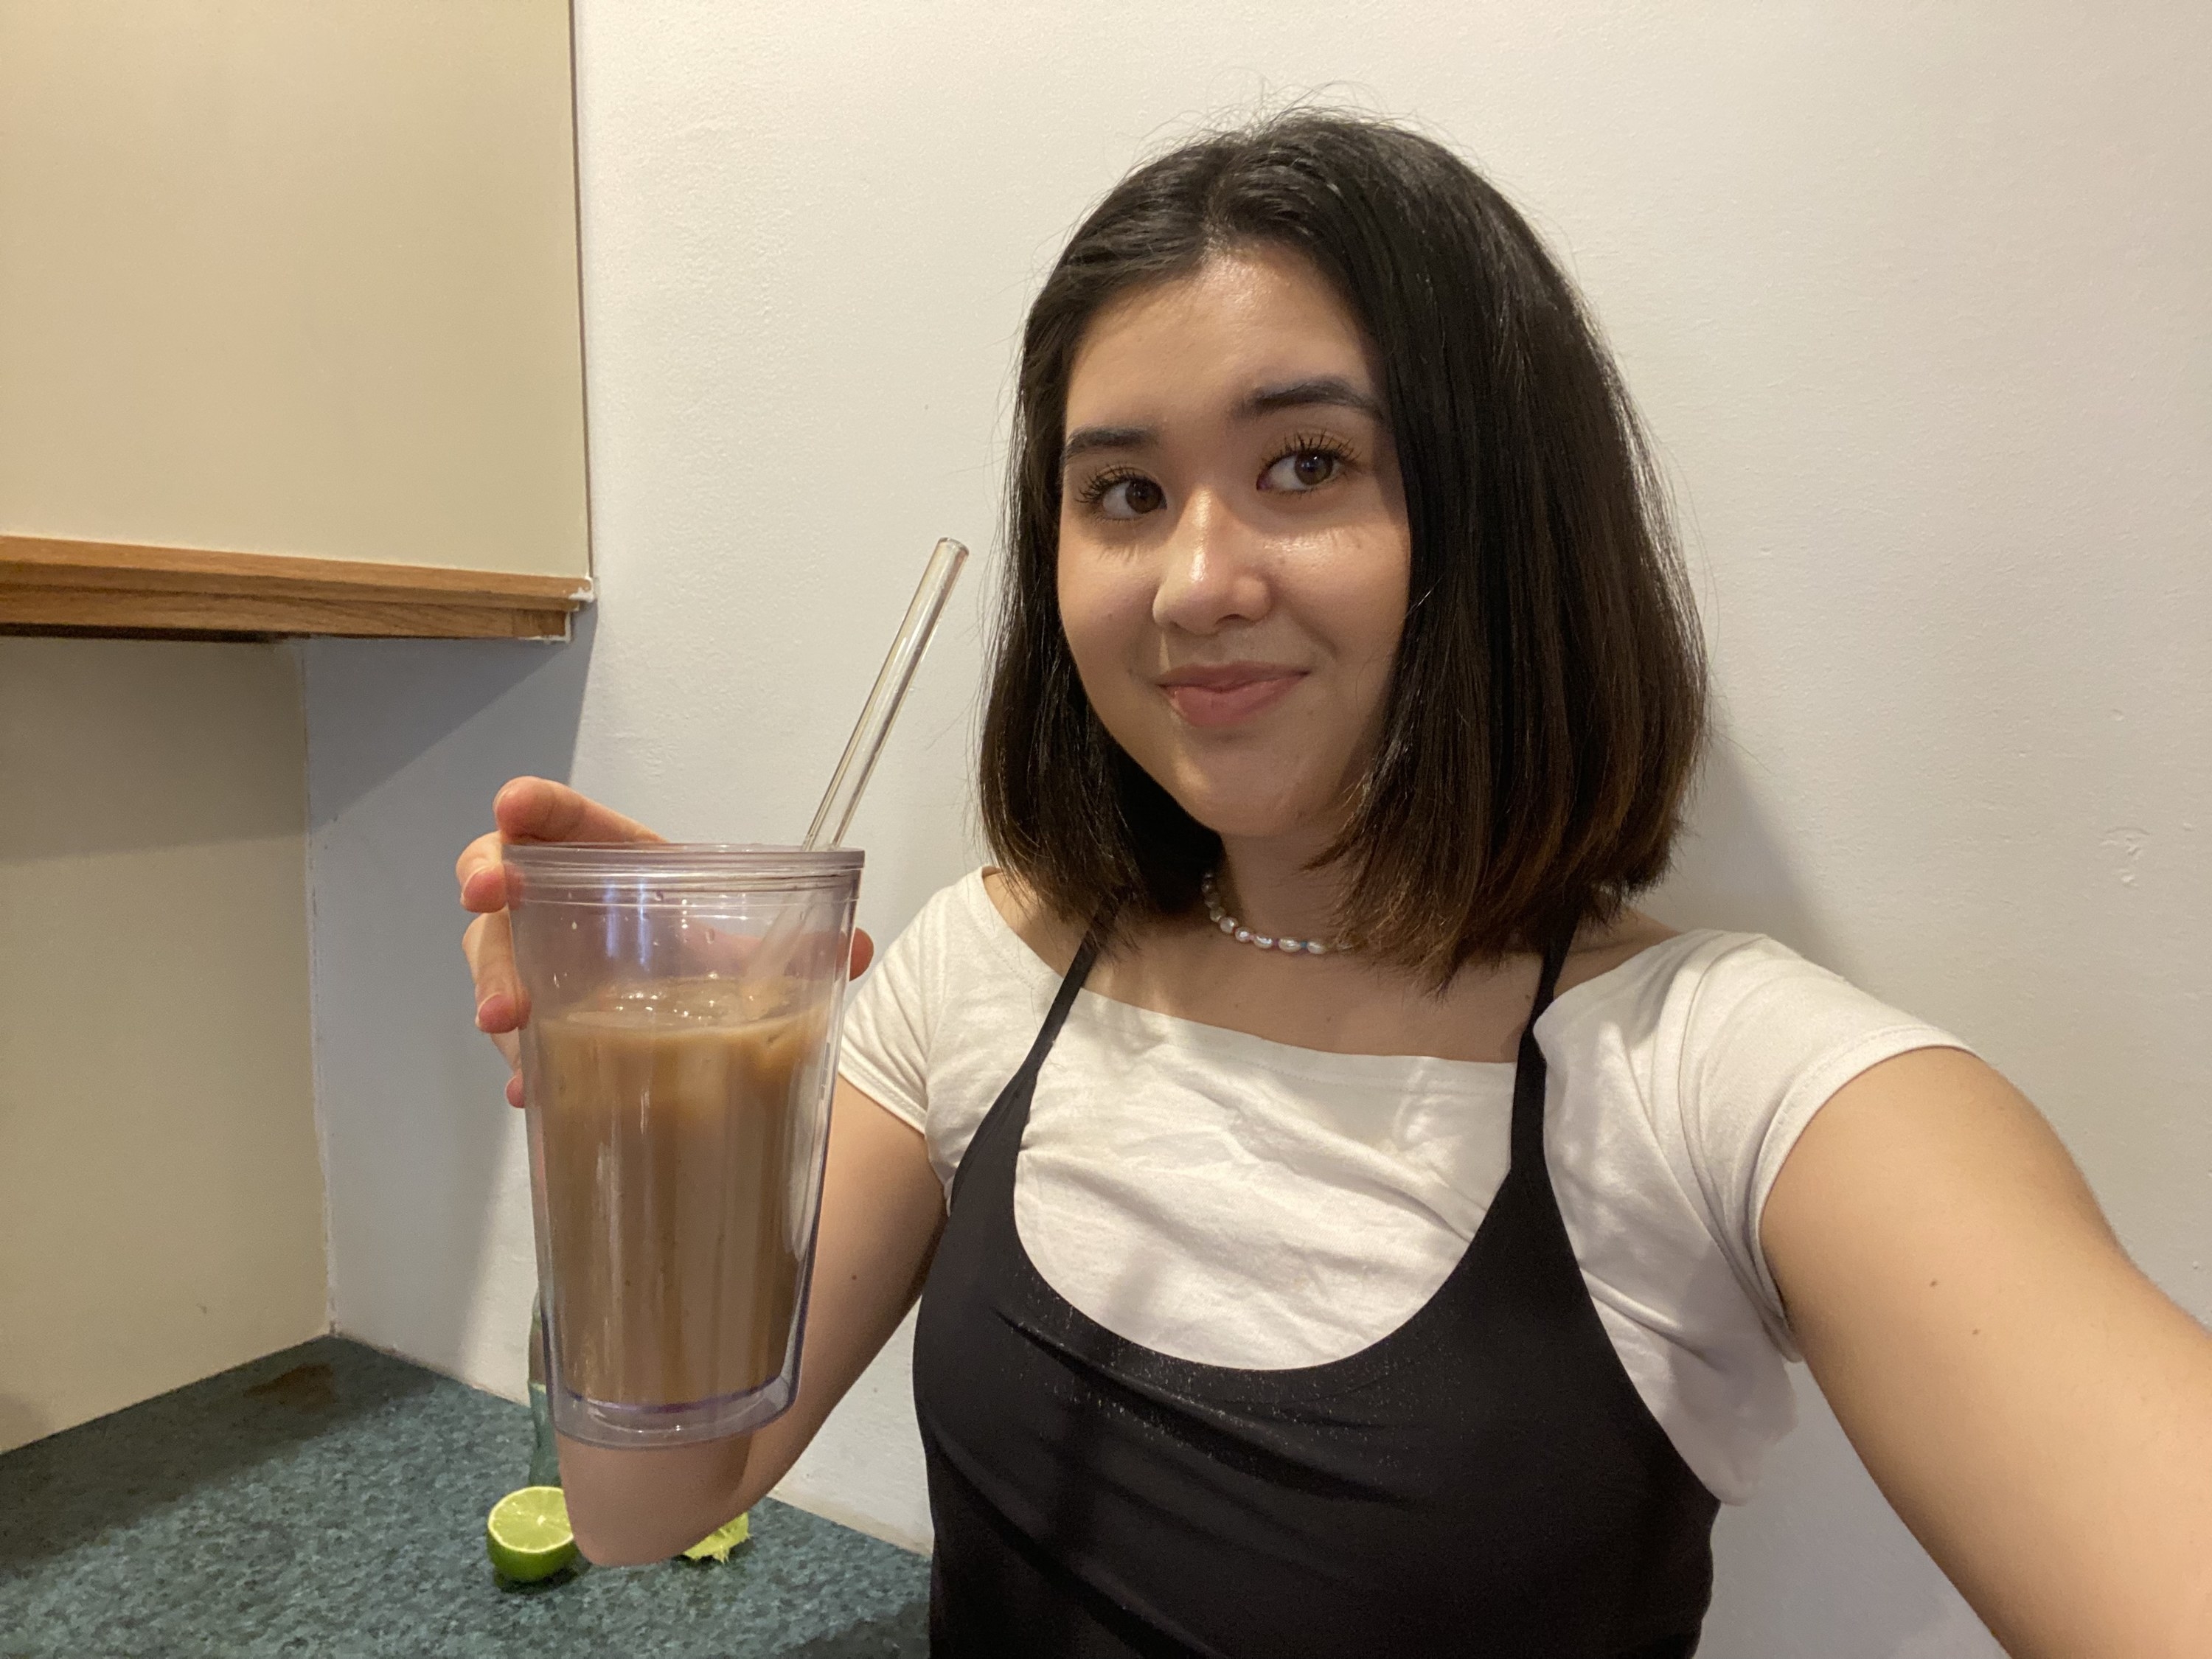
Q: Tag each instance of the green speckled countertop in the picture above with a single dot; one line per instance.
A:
(330, 1501)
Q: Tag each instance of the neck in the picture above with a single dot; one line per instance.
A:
(1270, 886)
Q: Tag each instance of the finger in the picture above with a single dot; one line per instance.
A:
(538, 809)
(863, 952)
(484, 889)
(514, 1091)
(499, 1013)
(489, 948)
(482, 875)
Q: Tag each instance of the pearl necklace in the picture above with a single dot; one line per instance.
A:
(1244, 935)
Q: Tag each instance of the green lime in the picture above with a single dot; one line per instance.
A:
(527, 1535)
(717, 1545)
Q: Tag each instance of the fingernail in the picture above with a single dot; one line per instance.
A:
(481, 1006)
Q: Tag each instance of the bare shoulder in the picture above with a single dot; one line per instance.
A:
(1601, 948)
(1036, 923)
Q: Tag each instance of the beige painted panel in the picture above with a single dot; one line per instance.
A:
(292, 277)
(160, 1192)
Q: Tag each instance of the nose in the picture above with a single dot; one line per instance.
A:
(1213, 570)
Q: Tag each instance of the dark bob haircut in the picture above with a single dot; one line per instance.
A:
(1547, 705)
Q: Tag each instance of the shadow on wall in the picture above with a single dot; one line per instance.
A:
(1731, 869)
(1817, 1565)
(377, 709)
(186, 732)
(408, 742)
(20, 1422)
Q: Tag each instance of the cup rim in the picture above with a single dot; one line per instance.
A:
(664, 864)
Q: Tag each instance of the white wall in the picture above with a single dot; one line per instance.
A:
(1914, 299)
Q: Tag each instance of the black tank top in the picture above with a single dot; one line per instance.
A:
(1483, 1480)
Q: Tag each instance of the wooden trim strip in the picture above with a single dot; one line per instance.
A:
(116, 586)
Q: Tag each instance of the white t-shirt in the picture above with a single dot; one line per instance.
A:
(1236, 1201)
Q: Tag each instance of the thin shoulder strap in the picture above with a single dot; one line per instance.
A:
(1528, 1071)
(1078, 971)
(999, 1135)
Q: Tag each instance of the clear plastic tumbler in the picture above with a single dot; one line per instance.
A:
(684, 1004)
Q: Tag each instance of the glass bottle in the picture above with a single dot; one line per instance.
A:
(545, 1458)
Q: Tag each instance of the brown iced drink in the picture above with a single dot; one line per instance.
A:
(673, 1188)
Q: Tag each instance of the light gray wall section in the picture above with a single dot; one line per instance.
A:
(1913, 298)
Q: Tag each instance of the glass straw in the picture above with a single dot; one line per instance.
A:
(834, 815)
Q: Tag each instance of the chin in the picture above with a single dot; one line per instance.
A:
(1251, 814)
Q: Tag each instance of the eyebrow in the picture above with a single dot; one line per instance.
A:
(1332, 391)
(1084, 440)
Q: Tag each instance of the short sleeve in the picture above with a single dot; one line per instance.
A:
(1765, 1039)
(890, 1018)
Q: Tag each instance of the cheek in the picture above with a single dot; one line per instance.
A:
(1357, 601)
(1106, 609)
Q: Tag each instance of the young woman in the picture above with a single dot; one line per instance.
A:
(1342, 1225)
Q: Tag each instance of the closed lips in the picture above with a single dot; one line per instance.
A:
(1229, 692)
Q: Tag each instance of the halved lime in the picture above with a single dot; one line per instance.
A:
(717, 1545)
(527, 1535)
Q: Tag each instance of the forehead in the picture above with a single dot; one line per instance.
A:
(1241, 320)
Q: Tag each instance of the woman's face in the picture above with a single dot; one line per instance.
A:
(1233, 552)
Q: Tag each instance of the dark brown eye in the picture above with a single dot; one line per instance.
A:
(1130, 498)
(1301, 470)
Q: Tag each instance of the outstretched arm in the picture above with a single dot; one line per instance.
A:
(2039, 1414)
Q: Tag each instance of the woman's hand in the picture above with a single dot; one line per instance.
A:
(533, 810)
